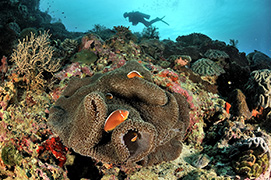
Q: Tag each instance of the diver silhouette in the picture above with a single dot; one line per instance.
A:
(137, 17)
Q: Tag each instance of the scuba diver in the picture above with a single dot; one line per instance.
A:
(137, 17)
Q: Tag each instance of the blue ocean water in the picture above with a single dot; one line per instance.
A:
(248, 21)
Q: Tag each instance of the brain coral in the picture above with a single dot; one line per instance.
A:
(152, 133)
(258, 88)
(207, 67)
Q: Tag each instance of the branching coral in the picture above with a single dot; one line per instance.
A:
(33, 57)
(23, 129)
(150, 32)
(152, 133)
(69, 45)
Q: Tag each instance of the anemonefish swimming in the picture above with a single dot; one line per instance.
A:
(109, 96)
(133, 74)
(115, 119)
(135, 137)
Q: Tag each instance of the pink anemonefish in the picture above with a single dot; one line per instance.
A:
(109, 96)
(135, 137)
(115, 119)
(133, 74)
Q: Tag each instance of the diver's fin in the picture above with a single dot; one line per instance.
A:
(165, 22)
(161, 19)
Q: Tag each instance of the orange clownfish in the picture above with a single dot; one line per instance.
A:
(109, 96)
(133, 74)
(115, 119)
(135, 137)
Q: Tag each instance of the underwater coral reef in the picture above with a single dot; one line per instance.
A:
(158, 119)
(112, 104)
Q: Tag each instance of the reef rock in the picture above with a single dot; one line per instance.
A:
(152, 47)
(152, 133)
(258, 89)
(239, 104)
(194, 39)
(220, 57)
(259, 60)
(215, 54)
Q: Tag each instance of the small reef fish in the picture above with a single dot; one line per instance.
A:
(134, 138)
(109, 96)
(133, 74)
(115, 119)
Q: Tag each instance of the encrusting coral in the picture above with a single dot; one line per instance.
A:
(152, 133)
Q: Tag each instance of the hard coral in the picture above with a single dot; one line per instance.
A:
(258, 60)
(158, 118)
(125, 33)
(177, 62)
(217, 55)
(258, 89)
(251, 157)
(207, 67)
(69, 46)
